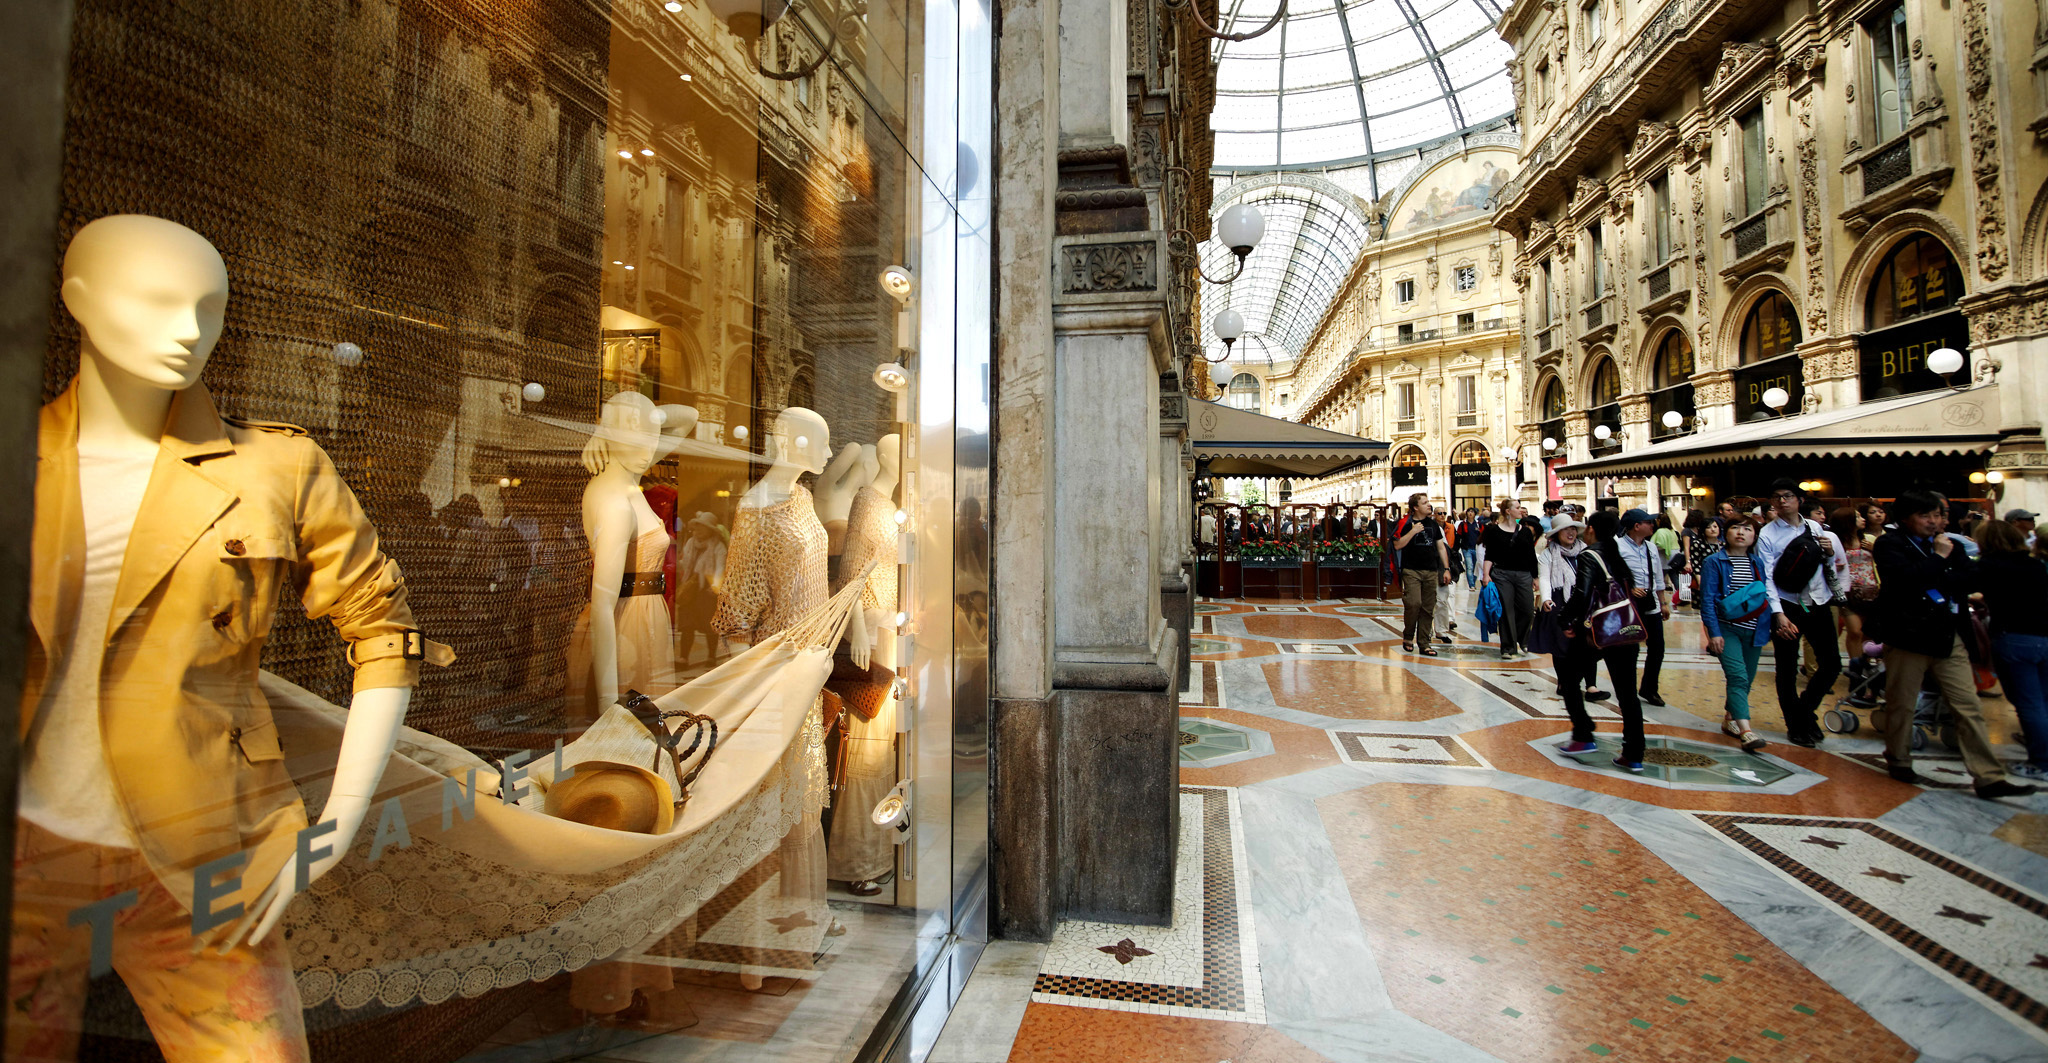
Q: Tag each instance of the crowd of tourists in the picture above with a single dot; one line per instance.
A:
(1927, 615)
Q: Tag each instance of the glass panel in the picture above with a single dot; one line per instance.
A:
(1753, 179)
(1660, 220)
(1918, 277)
(563, 324)
(1772, 329)
(1890, 71)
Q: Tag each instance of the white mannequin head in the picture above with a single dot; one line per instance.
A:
(800, 438)
(149, 294)
(889, 453)
(627, 435)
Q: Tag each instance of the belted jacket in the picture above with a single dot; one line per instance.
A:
(235, 512)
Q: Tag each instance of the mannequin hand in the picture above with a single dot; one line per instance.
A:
(857, 641)
(346, 813)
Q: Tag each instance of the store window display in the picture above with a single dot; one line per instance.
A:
(511, 631)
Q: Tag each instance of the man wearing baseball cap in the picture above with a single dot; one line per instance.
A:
(2023, 519)
(1646, 564)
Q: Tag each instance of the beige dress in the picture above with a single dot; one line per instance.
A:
(646, 644)
(774, 570)
(858, 849)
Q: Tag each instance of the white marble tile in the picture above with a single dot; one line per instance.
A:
(983, 1025)
(1159, 955)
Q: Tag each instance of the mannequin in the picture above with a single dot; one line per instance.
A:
(187, 512)
(626, 536)
(862, 854)
(775, 566)
(836, 485)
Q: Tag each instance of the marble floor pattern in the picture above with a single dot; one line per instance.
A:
(1385, 858)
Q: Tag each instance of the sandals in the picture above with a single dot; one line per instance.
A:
(1407, 647)
(1429, 651)
(1751, 741)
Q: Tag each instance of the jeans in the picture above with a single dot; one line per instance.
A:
(1739, 658)
(1582, 663)
(1418, 603)
(1817, 627)
(2022, 663)
(1653, 660)
(1903, 671)
(1517, 607)
(1471, 566)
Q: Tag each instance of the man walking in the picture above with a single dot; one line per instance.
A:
(1794, 561)
(1650, 587)
(1425, 564)
(1925, 579)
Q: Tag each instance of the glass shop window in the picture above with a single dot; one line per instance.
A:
(1918, 277)
(1771, 330)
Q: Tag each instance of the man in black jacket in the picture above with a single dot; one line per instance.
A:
(1926, 579)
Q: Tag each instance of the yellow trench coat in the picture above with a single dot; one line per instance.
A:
(235, 510)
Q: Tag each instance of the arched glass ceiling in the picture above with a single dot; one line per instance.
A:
(1314, 231)
(1344, 80)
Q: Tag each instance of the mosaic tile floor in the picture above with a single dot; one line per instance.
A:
(1384, 857)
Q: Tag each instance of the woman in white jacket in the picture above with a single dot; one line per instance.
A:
(1556, 573)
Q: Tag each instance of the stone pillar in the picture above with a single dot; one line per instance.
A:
(1093, 66)
(1114, 658)
(1176, 521)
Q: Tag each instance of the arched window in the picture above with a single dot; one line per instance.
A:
(1771, 330)
(1672, 367)
(1470, 452)
(1551, 408)
(1411, 467)
(1606, 384)
(1552, 403)
(1243, 393)
(1769, 334)
(1603, 408)
(1471, 477)
(1918, 277)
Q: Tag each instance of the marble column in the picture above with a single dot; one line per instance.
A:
(1176, 527)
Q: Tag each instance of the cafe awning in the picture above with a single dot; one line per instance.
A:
(1933, 422)
(1242, 443)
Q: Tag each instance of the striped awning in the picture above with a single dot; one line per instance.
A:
(1963, 421)
(1242, 443)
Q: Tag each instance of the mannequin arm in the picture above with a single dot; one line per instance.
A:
(680, 423)
(610, 530)
(366, 743)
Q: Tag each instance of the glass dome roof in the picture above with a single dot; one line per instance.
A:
(1314, 231)
(1342, 81)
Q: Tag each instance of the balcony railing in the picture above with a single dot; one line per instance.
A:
(1596, 315)
(1888, 167)
(1659, 282)
(1751, 235)
(1546, 339)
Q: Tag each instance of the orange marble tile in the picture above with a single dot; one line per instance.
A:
(1850, 789)
(1244, 648)
(1296, 749)
(1300, 626)
(1353, 690)
(1053, 1033)
(1535, 931)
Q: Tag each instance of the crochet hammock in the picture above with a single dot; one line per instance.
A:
(515, 895)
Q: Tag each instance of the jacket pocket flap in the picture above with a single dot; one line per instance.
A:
(260, 545)
(258, 741)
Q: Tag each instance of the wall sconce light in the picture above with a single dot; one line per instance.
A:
(1549, 443)
(1699, 492)
(1228, 326)
(1776, 398)
(1602, 433)
(533, 392)
(1978, 477)
(897, 281)
(1994, 477)
(739, 432)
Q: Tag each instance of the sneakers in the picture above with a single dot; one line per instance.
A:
(1634, 767)
(2028, 770)
(1991, 791)
(1751, 741)
(1573, 749)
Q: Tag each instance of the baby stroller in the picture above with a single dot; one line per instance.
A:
(1866, 689)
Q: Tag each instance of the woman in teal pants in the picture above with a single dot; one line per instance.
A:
(1738, 643)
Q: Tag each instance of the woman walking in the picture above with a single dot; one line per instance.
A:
(1600, 563)
(2015, 582)
(1738, 640)
(1704, 542)
(1510, 563)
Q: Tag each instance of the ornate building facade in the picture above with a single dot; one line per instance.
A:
(1732, 212)
(1421, 345)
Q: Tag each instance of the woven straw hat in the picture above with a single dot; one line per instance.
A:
(615, 796)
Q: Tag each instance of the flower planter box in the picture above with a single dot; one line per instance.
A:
(1272, 562)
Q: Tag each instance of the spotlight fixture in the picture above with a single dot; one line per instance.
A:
(897, 281)
(893, 810)
(649, 152)
(629, 267)
(624, 154)
(686, 77)
(533, 392)
(672, 6)
(892, 377)
(902, 518)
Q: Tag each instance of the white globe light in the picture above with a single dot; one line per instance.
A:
(660, 416)
(1602, 432)
(1994, 476)
(346, 355)
(803, 442)
(739, 431)
(1945, 361)
(1229, 325)
(1240, 227)
(1549, 443)
(533, 393)
(1672, 418)
(1776, 398)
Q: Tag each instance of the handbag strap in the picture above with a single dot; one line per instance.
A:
(697, 725)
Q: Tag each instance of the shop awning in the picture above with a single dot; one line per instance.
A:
(1241, 443)
(1933, 422)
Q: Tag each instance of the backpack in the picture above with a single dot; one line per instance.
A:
(1862, 575)
(1802, 558)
